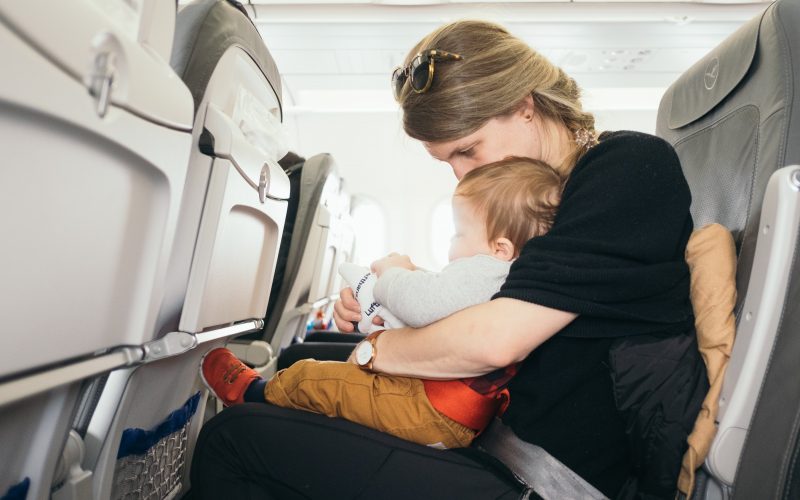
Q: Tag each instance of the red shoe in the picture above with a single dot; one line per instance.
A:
(226, 376)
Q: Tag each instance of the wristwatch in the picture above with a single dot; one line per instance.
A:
(366, 351)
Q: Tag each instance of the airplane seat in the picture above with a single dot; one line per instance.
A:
(141, 435)
(96, 133)
(243, 345)
(321, 238)
(292, 165)
(734, 120)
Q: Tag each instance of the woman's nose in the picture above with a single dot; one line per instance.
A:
(460, 169)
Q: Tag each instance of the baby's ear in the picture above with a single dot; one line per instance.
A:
(503, 249)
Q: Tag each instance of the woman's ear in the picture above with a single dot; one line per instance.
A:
(526, 108)
(503, 249)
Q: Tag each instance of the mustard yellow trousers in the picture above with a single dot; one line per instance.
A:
(395, 405)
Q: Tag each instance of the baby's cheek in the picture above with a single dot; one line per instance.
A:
(452, 254)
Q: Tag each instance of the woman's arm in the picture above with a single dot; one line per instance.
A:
(471, 342)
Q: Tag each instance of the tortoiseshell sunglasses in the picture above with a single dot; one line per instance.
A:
(419, 73)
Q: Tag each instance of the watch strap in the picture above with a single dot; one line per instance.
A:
(372, 338)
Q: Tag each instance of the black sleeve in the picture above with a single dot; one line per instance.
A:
(615, 254)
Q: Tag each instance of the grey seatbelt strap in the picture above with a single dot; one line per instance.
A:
(536, 468)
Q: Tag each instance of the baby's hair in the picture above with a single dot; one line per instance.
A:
(518, 197)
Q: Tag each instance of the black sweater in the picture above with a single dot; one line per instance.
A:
(615, 256)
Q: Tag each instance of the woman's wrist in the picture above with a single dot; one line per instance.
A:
(366, 351)
(378, 343)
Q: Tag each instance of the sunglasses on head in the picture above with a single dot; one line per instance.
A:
(419, 72)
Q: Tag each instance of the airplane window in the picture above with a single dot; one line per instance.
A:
(442, 231)
(369, 221)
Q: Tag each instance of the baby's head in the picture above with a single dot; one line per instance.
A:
(497, 208)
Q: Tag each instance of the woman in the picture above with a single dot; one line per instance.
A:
(597, 310)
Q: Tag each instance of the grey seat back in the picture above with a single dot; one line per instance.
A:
(734, 121)
(222, 263)
(96, 138)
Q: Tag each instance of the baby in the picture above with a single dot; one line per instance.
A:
(497, 208)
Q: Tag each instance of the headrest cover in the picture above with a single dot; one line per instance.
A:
(711, 79)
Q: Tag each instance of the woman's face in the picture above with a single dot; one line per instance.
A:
(513, 135)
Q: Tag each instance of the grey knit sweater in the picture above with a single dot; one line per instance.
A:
(419, 298)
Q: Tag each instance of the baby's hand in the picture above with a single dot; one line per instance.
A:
(392, 260)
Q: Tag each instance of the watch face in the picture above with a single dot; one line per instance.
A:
(363, 353)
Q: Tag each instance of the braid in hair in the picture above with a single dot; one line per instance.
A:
(562, 102)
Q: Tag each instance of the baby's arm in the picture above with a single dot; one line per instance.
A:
(419, 298)
(392, 260)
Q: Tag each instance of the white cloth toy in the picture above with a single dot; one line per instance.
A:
(362, 281)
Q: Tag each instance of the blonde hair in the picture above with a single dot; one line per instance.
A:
(497, 72)
(517, 197)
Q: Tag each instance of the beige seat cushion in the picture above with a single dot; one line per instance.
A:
(711, 255)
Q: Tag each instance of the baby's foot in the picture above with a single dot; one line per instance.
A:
(226, 376)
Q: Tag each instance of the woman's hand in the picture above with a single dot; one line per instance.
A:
(346, 310)
(392, 260)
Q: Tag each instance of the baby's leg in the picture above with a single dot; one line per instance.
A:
(395, 405)
(255, 391)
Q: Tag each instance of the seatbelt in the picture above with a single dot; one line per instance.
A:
(533, 466)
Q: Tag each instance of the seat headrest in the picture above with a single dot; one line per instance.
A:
(204, 30)
(711, 79)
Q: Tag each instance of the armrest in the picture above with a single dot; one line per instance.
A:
(328, 351)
